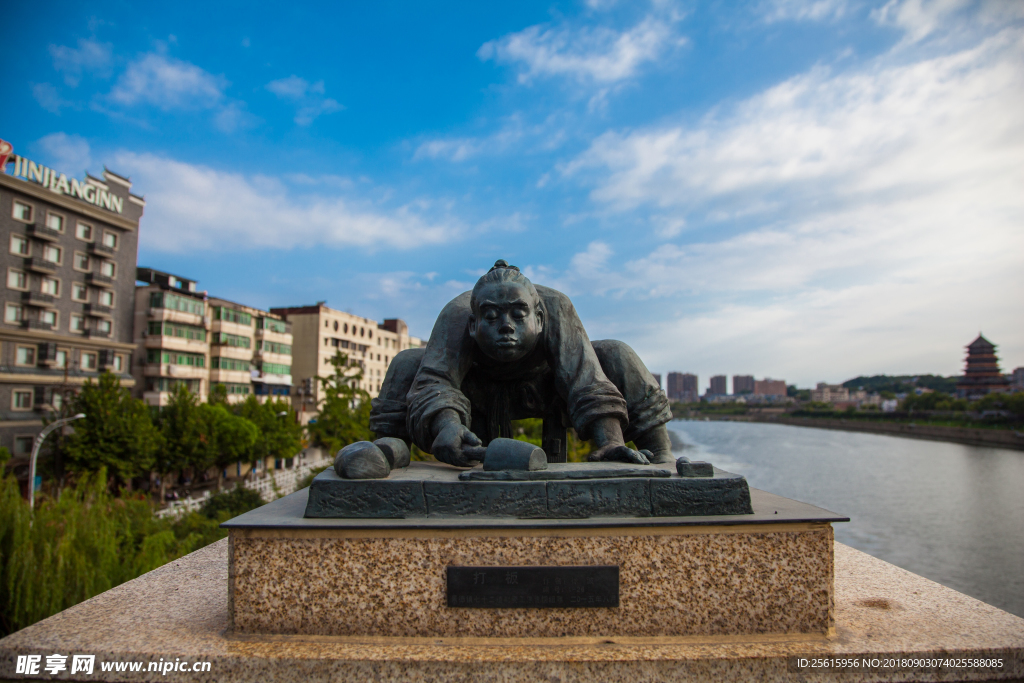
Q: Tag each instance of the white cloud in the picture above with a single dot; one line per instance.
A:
(837, 223)
(593, 54)
(168, 83)
(195, 207)
(803, 10)
(48, 97)
(310, 98)
(70, 154)
(90, 57)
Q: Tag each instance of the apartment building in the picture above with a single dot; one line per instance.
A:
(742, 384)
(718, 386)
(187, 337)
(172, 336)
(682, 387)
(251, 351)
(68, 269)
(320, 332)
(770, 387)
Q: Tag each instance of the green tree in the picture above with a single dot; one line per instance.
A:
(225, 438)
(117, 432)
(345, 409)
(183, 435)
(280, 433)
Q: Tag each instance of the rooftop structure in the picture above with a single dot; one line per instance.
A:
(981, 372)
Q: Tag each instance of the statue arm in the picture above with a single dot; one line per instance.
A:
(590, 397)
(435, 399)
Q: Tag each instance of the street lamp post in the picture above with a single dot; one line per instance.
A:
(35, 453)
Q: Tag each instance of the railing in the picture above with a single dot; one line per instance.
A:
(98, 280)
(36, 325)
(38, 299)
(101, 249)
(99, 310)
(44, 232)
(269, 485)
(39, 264)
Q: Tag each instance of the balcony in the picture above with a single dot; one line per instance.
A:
(97, 334)
(44, 232)
(176, 316)
(39, 265)
(97, 280)
(176, 371)
(101, 249)
(38, 299)
(166, 341)
(99, 311)
(36, 325)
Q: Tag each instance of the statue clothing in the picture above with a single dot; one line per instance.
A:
(565, 375)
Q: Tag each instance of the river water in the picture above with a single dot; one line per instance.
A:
(951, 513)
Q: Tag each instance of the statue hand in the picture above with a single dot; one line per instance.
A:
(620, 453)
(456, 445)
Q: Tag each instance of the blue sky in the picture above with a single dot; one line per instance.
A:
(802, 189)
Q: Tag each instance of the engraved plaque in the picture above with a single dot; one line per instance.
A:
(576, 586)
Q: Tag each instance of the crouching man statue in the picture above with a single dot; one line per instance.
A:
(510, 350)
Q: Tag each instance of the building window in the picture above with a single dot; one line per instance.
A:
(221, 363)
(21, 400)
(104, 326)
(22, 211)
(13, 314)
(176, 303)
(335, 325)
(189, 332)
(16, 279)
(20, 245)
(49, 317)
(82, 262)
(88, 361)
(107, 268)
(232, 316)
(79, 292)
(106, 298)
(23, 445)
(50, 286)
(56, 401)
(52, 254)
(84, 232)
(118, 363)
(77, 323)
(346, 328)
(61, 358)
(175, 358)
(55, 221)
(110, 239)
(25, 355)
(225, 339)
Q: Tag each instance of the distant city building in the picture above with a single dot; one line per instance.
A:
(321, 332)
(682, 386)
(186, 338)
(1017, 379)
(657, 378)
(67, 310)
(742, 384)
(981, 374)
(769, 387)
(718, 385)
(830, 393)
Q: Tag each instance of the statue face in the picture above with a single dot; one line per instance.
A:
(506, 323)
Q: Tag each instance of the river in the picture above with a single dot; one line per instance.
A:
(949, 512)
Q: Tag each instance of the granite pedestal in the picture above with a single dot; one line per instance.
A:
(766, 571)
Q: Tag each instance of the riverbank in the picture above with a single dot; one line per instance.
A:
(997, 438)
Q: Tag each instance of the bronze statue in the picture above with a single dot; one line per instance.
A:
(510, 350)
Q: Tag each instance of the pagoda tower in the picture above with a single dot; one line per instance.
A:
(981, 375)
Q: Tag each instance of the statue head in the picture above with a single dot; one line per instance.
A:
(507, 316)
